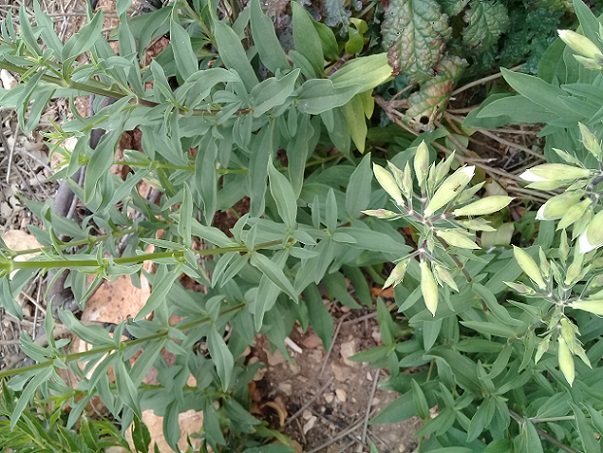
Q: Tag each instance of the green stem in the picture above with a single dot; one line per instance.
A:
(542, 433)
(552, 419)
(137, 259)
(164, 334)
(89, 241)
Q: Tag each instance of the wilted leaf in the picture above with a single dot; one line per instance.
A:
(416, 31)
(427, 104)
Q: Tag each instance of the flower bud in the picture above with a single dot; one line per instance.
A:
(477, 225)
(557, 206)
(592, 237)
(574, 213)
(398, 176)
(580, 44)
(520, 288)
(529, 266)
(445, 277)
(429, 288)
(588, 63)
(397, 274)
(457, 239)
(443, 168)
(381, 213)
(543, 347)
(484, 206)
(421, 163)
(594, 306)
(387, 181)
(590, 142)
(554, 172)
(450, 188)
(566, 361)
(407, 182)
(545, 267)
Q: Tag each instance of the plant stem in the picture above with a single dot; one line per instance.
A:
(542, 433)
(552, 419)
(137, 259)
(124, 344)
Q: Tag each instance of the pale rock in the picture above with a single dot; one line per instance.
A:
(306, 415)
(310, 424)
(8, 80)
(347, 350)
(341, 395)
(341, 373)
(286, 388)
(328, 397)
(276, 359)
(295, 369)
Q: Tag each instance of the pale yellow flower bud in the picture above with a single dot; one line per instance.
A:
(543, 347)
(554, 172)
(574, 213)
(457, 239)
(529, 266)
(421, 163)
(450, 188)
(387, 181)
(589, 141)
(566, 361)
(592, 237)
(381, 213)
(397, 274)
(445, 277)
(484, 206)
(580, 44)
(594, 306)
(429, 288)
(557, 206)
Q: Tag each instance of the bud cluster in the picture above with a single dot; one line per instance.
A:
(443, 213)
(576, 207)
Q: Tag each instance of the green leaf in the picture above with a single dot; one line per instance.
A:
(415, 31)
(46, 27)
(486, 21)
(269, 48)
(512, 109)
(453, 7)
(39, 379)
(535, 89)
(171, 425)
(186, 214)
(29, 38)
(282, 192)
(363, 73)
(353, 112)
(83, 40)
(587, 434)
(320, 95)
(184, 56)
(233, 54)
(306, 39)
(320, 318)
(481, 419)
(420, 401)
(328, 41)
(126, 390)
(588, 21)
(272, 92)
(162, 283)
(491, 328)
(222, 357)
(263, 149)
(141, 436)
(274, 274)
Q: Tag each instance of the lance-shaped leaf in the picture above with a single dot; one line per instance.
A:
(486, 21)
(416, 32)
(450, 188)
(529, 266)
(427, 104)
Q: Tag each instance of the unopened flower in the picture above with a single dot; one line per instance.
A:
(557, 206)
(484, 206)
(397, 274)
(457, 239)
(529, 266)
(387, 181)
(592, 237)
(580, 44)
(592, 306)
(554, 172)
(421, 163)
(574, 213)
(381, 213)
(450, 188)
(589, 141)
(566, 361)
(429, 288)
